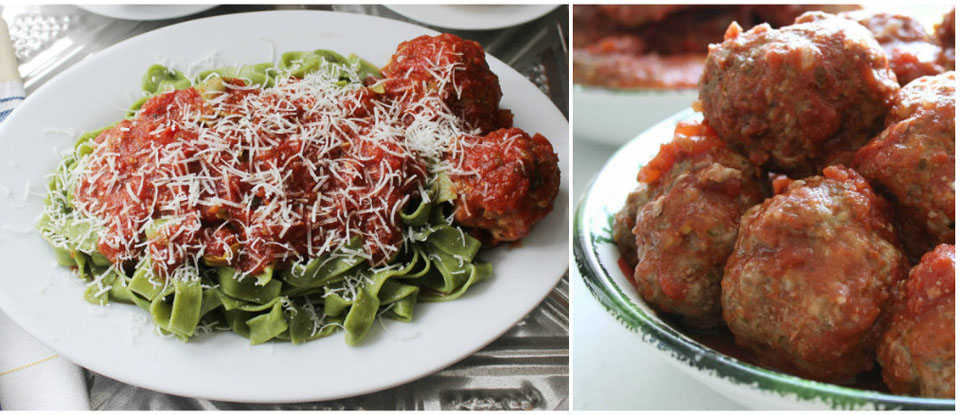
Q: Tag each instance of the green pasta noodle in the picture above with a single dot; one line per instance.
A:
(182, 315)
(159, 78)
(266, 326)
(419, 216)
(331, 56)
(366, 69)
(247, 288)
(322, 271)
(361, 316)
(120, 290)
(143, 283)
(477, 273)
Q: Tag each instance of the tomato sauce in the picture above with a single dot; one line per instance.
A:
(512, 181)
(473, 91)
(627, 270)
(690, 139)
(276, 196)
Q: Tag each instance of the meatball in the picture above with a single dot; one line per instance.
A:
(625, 220)
(812, 274)
(911, 51)
(790, 97)
(912, 162)
(917, 351)
(455, 69)
(506, 182)
(680, 225)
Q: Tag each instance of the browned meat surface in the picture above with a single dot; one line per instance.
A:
(917, 351)
(812, 274)
(683, 219)
(792, 97)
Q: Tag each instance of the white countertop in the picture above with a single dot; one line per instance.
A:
(611, 367)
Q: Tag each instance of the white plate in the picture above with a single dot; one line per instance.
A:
(473, 17)
(146, 11)
(117, 341)
(615, 117)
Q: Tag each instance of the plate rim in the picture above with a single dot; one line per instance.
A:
(400, 10)
(168, 387)
(687, 351)
(97, 9)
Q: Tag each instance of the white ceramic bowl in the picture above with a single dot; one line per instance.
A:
(616, 116)
(596, 258)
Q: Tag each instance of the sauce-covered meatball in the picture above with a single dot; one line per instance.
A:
(507, 182)
(917, 351)
(455, 69)
(812, 274)
(679, 226)
(911, 51)
(912, 162)
(791, 97)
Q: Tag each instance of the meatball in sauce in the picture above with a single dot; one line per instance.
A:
(679, 226)
(912, 162)
(791, 98)
(812, 274)
(474, 93)
(911, 51)
(512, 183)
(917, 351)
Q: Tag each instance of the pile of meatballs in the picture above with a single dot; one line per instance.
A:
(510, 178)
(811, 212)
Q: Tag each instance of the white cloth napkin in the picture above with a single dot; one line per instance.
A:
(31, 375)
(34, 377)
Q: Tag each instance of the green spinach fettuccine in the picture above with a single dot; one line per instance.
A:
(296, 301)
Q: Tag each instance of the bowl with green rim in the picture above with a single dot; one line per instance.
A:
(596, 258)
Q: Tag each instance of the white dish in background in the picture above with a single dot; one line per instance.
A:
(615, 117)
(118, 341)
(472, 17)
(146, 11)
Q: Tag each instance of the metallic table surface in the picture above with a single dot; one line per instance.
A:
(527, 368)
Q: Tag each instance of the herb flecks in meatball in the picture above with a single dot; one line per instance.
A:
(812, 275)
(792, 97)
(678, 228)
(507, 182)
(912, 162)
(917, 351)
(454, 68)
